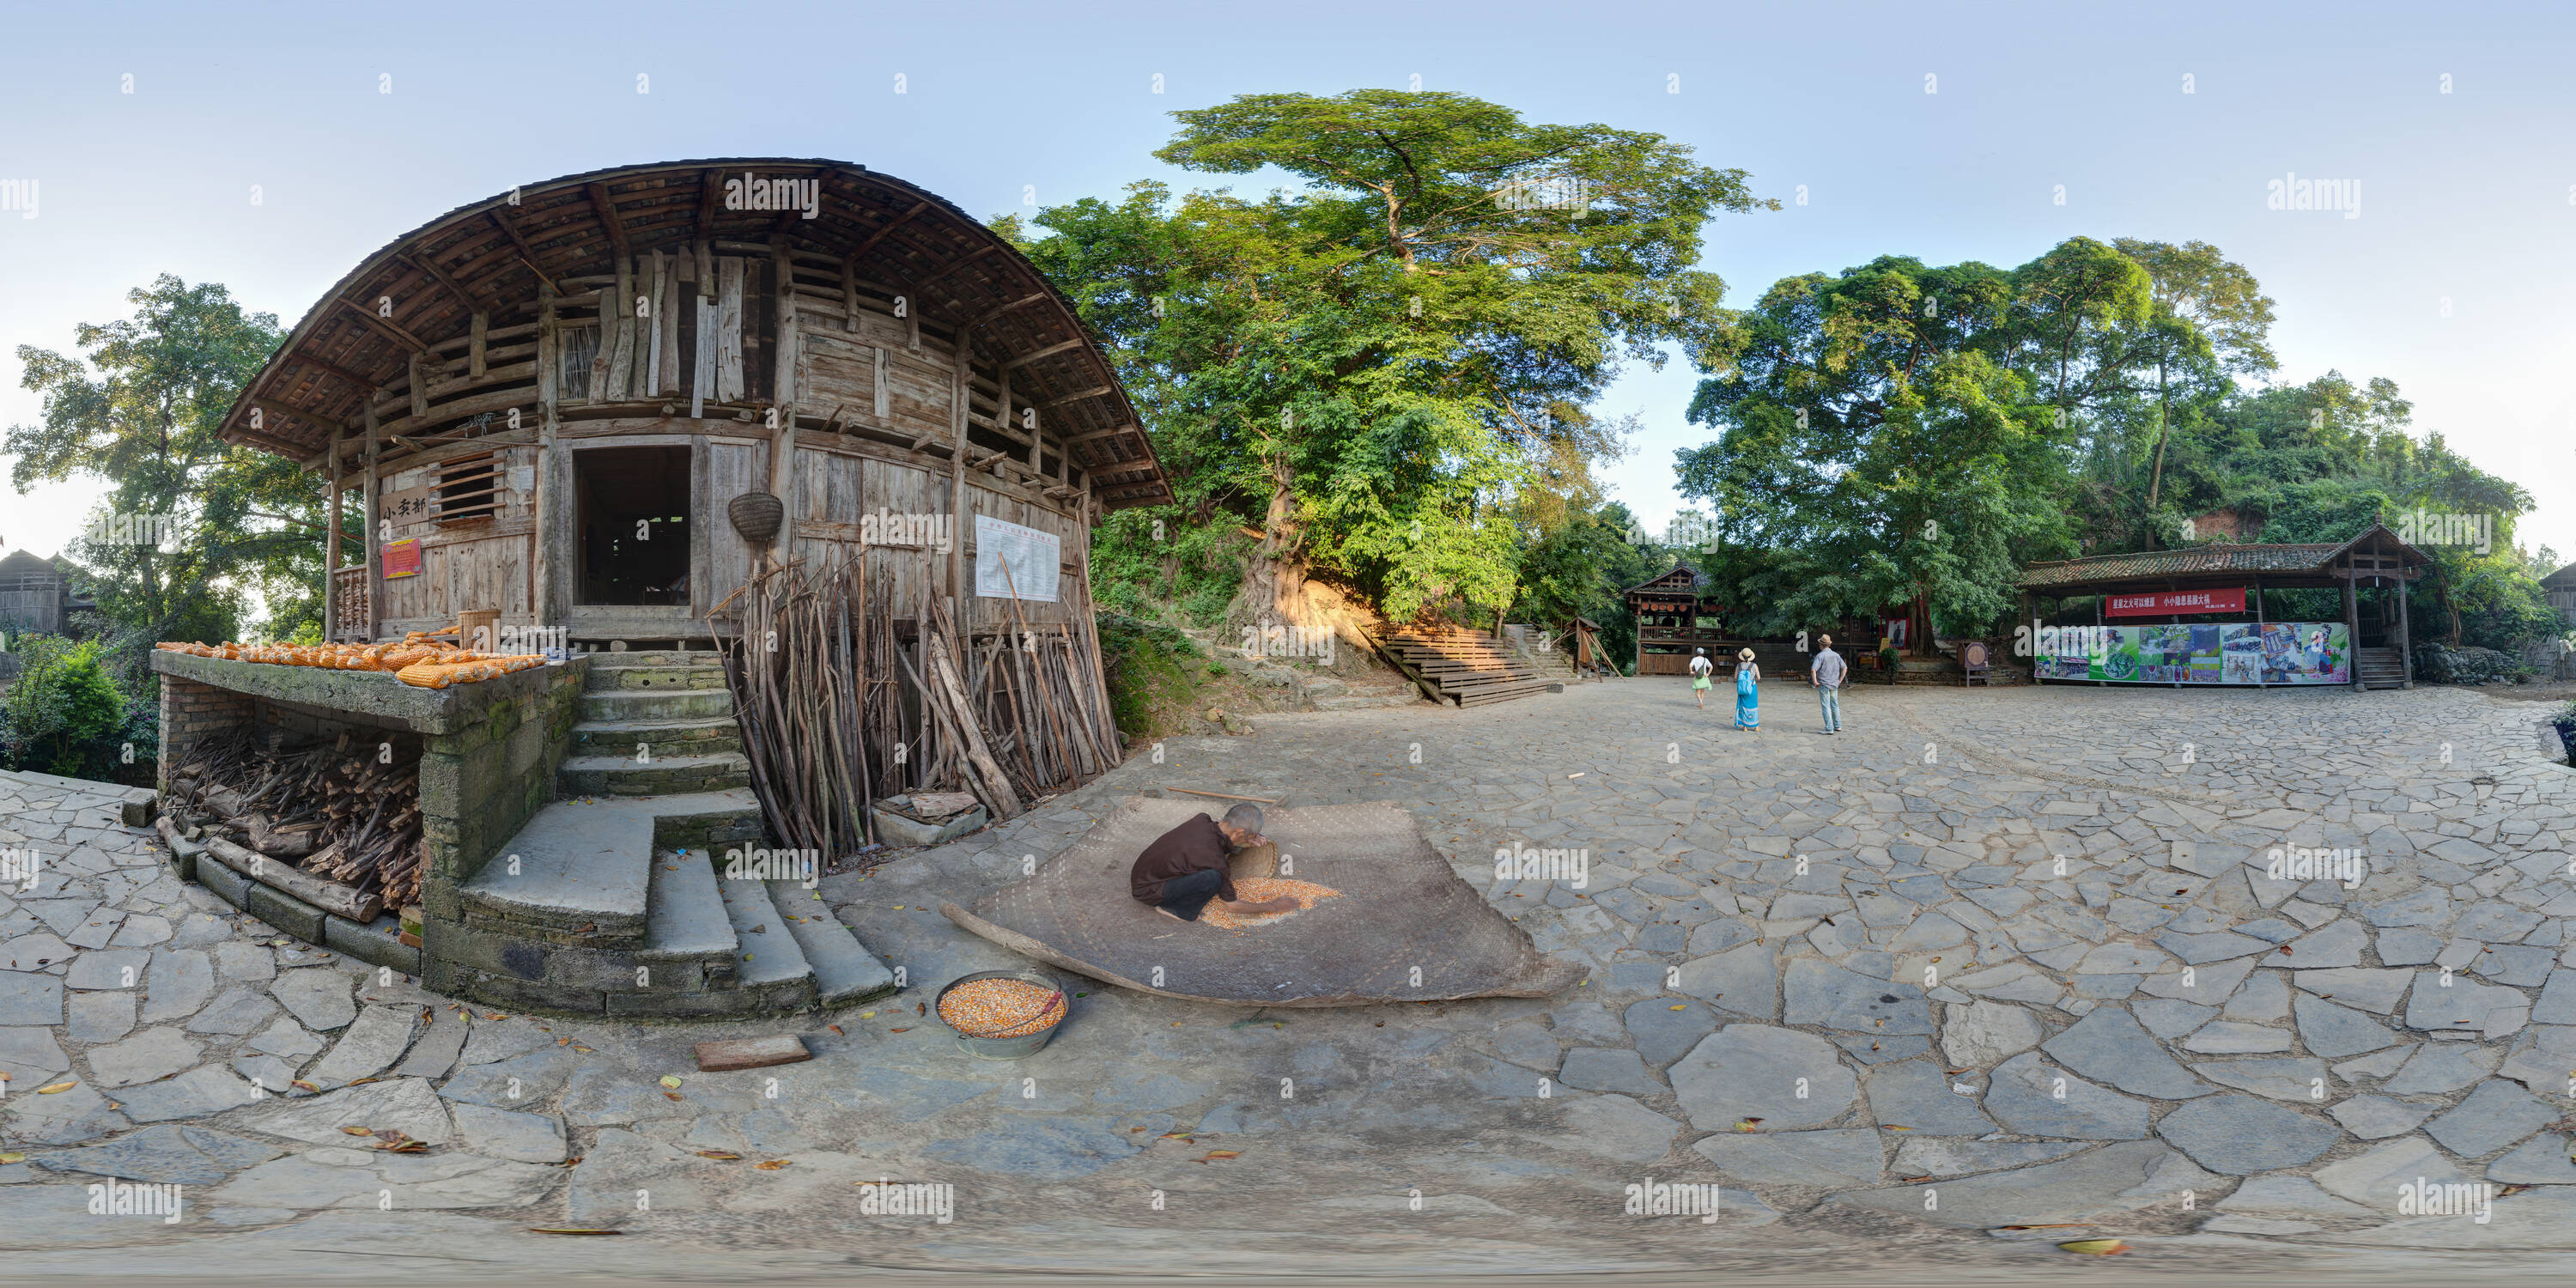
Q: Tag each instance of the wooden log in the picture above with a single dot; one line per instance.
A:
(655, 294)
(328, 896)
(996, 785)
(477, 344)
(729, 329)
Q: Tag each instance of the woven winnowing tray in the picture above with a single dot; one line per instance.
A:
(1404, 927)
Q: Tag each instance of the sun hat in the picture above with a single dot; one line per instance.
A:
(1744, 655)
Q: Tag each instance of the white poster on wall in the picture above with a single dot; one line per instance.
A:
(1031, 557)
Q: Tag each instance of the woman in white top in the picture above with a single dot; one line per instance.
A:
(1700, 668)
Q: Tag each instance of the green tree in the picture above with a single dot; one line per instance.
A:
(2211, 322)
(61, 714)
(1877, 449)
(192, 526)
(1375, 369)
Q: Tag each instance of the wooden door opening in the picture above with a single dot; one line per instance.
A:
(634, 525)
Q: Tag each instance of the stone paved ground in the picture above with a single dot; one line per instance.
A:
(1988, 959)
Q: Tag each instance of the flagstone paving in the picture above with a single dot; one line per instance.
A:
(1988, 958)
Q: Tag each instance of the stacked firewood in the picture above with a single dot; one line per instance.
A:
(345, 811)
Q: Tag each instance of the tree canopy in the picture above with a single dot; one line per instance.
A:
(1382, 369)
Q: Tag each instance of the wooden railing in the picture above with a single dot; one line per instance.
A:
(350, 619)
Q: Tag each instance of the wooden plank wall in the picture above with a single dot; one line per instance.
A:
(484, 564)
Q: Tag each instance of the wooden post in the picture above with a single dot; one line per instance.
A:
(2258, 636)
(2033, 623)
(957, 387)
(2405, 631)
(782, 449)
(550, 499)
(1091, 620)
(475, 344)
(374, 544)
(2352, 620)
(331, 552)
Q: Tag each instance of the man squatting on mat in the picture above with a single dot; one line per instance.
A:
(1186, 867)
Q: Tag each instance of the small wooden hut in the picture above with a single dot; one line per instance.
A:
(545, 402)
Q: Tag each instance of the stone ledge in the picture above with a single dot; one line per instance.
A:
(372, 693)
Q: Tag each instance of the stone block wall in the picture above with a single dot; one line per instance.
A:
(481, 781)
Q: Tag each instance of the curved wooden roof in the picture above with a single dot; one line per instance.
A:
(491, 254)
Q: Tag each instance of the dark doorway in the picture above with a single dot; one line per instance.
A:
(634, 525)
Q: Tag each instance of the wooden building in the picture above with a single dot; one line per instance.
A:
(2199, 615)
(1673, 620)
(545, 403)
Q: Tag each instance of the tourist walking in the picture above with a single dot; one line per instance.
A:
(1827, 675)
(1748, 695)
(1700, 669)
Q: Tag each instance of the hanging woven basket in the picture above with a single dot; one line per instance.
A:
(757, 516)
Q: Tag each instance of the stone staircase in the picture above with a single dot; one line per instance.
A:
(653, 724)
(615, 900)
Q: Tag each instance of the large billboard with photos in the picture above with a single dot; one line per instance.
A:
(2205, 653)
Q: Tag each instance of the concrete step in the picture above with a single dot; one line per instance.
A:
(694, 736)
(659, 776)
(844, 970)
(686, 913)
(612, 671)
(623, 705)
(769, 953)
(576, 873)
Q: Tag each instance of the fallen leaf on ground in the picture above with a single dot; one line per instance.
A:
(671, 1081)
(6, 1159)
(59, 1086)
(1214, 1154)
(906, 1029)
(772, 1165)
(720, 1156)
(670, 1095)
(1173, 1135)
(2096, 1247)
(1748, 1124)
(565, 1229)
(299, 1082)
(836, 1029)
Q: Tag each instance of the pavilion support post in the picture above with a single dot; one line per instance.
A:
(2352, 621)
(552, 606)
(331, 551)
(373, 547)
(957, 390)
(2258, 635)
(2405, 634)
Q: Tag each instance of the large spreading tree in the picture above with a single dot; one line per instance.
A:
(1376, 373)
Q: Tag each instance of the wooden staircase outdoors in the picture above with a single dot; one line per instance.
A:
(2381, 668)
(1463, 667)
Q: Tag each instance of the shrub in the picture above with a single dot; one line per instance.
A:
(62, 715)
(2442, 664)
(1152, 672)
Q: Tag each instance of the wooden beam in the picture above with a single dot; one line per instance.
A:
(383, 326)
(1047, 352)
(365, 386)
(1093, 392)
(710, 183)
(419, 386)
(607, 211)
(478, 337)
(268, 408)
(1116, 432)
(851, 260)
(527, 253)
(431, 270)
(1000, 309)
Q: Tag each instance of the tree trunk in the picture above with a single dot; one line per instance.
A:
(1274, 585)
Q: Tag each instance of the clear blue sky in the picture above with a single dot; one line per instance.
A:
(2467, 197)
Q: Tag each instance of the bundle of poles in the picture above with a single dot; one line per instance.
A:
(344, 811)
(839, 710)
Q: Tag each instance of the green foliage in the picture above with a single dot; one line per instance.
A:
(1141, 562)
(1153, 673)
(61, 715)
(140, 408)
(1375, 368)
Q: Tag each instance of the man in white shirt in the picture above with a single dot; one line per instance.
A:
(1827, 675)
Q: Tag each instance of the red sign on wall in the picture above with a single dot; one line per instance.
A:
(2170, 603)
(402, 558)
